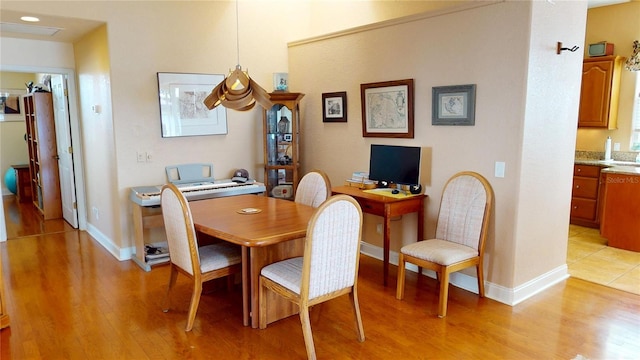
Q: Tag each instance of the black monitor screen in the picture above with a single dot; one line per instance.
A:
(395, 164)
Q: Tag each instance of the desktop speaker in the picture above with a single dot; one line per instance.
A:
(415, 189)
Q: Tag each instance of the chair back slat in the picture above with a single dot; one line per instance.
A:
(179, 228)
(314, 188)
(332, 247)
(462, 211)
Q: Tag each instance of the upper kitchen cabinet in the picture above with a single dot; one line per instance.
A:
(600, 92)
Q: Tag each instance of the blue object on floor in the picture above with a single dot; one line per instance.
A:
(10, 180)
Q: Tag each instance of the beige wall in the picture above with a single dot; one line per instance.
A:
(144, 38)
(527, 100)
(13, 148)
(620, 25)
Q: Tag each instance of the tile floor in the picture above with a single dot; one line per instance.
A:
(589, 258)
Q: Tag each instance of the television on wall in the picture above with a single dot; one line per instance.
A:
(395, 164)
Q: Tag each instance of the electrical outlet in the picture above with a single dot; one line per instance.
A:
(379, 228)
(141, 156)
(96, 213)
(149, 156)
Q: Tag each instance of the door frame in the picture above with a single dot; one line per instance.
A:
(76, 135)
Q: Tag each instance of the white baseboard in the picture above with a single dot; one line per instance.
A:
(509, 296)
(107, 243)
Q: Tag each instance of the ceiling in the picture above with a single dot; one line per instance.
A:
(70, 30)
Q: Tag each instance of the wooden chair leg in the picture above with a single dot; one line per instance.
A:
(444, 293)
(195, 301)
(262, 304)
(353, 295)
(173, 275)
(400, 282)
(306, 332)
(480, 272)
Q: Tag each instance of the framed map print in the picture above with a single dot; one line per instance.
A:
(387, 109)
(454, 105)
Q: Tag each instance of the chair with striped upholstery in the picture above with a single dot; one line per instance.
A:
(461, 230)
(328, 268)
(200, 264)
(314, 188)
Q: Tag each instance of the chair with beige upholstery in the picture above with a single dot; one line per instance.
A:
(314, 188)
(328, 268)
(461, 231)
(199, 264)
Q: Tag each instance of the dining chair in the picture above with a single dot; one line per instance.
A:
(461, 231)
(327, 269)
(200, 264)
(314, 188)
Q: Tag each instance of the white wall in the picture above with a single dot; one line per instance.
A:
(525, 116)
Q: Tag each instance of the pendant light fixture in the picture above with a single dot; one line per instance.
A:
(238, 91)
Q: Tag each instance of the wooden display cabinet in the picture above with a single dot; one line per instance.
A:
(281, 130)
(43, 154)
(599, 94)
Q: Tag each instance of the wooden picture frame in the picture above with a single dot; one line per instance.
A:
(387, 109)
(454, 105)
(182, 109)
(334, 107)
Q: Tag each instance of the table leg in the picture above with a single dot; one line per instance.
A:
(387, 240)
(246, 310)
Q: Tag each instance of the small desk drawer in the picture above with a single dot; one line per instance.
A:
(371, 207)
(586, 170)
(585, 187)
(583, 209)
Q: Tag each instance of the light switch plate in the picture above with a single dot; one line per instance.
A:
(499, 170)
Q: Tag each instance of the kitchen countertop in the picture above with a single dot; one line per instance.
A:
(612, 166)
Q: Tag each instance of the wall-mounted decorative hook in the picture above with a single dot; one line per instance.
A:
(561, 49)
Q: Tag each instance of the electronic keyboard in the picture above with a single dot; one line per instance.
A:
(150, 195)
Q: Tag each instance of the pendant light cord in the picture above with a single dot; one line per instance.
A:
(237, 37)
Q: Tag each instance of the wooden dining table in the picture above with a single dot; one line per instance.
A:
(268, 230)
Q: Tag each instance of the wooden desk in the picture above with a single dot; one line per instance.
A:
(276, 233)
(387, 207)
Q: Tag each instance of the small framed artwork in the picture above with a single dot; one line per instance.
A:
(334, 107)
(182, 109)
(454, 105)
(387, 109)
(11, 108)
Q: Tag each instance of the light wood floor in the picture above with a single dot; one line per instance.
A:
(68, 298)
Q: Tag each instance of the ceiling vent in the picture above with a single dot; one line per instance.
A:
(28, 29)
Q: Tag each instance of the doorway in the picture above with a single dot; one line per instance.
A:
(72, 180)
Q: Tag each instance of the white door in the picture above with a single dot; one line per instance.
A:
(65, 150)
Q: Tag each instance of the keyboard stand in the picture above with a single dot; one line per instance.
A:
(146, 218)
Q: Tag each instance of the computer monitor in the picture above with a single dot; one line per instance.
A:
(395, 164)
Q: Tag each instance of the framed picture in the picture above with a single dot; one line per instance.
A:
(387, 109)
(182, 111)
(334, 107)
(11, 107)
(454, 105)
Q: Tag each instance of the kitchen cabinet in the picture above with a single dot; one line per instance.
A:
(586, 196)
(599, 94)
(620, 225)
